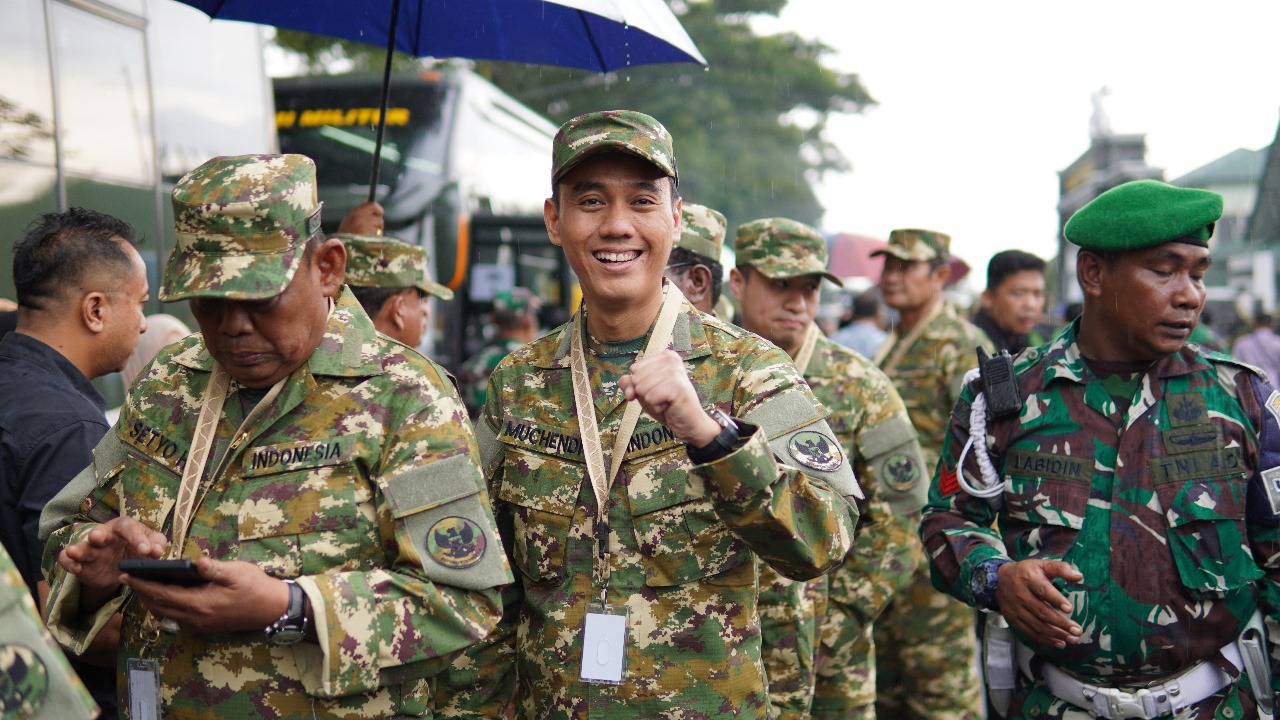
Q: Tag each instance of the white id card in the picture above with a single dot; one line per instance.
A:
(604, 644)
(144, 689)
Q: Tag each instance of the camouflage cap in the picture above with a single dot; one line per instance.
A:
(618, 130)
(702, 231)
(242, 224)
(781, 248)
(376, 261)
(917, 245)
(1145, 213)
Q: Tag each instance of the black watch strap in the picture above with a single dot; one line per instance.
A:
(721, 445)
(292, 625)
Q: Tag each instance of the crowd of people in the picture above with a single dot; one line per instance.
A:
(686, 502)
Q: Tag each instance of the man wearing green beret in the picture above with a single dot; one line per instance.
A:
(1117, 500)
(635, 485)
(390, 279)
(322, 479)
(515, 320)
(925, 640)
(817, 636)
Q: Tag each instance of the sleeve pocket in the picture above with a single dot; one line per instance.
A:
(447, 523)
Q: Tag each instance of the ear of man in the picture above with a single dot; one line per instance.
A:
(330, 260)
(699, 283)
(1090, 269)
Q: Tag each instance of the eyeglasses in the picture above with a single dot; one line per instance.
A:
(674, 266)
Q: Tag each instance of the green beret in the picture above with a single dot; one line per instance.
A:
(1142, 214)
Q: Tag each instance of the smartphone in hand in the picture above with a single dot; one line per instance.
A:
(173, 572)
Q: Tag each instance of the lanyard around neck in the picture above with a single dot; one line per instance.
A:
(899, 347)
(806, 349)
(672, 301)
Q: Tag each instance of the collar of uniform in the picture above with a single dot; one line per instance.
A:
(938, 324)
(1066, 363)
(688, 338)
(821, 363)
(348, 348)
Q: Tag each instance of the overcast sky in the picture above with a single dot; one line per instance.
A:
(982, 102)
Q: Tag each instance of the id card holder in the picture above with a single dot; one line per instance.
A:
(144, 689)
(604, 644)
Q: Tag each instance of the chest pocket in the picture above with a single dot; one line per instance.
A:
(680, 537)
(307, 522)
(1206, 523)
(540, 491)
(1050, 490)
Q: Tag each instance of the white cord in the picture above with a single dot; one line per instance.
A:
(992, 485)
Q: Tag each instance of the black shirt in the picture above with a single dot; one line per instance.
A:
(1002, 340)
(50, 419)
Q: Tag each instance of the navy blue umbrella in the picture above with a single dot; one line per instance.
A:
(599, 35)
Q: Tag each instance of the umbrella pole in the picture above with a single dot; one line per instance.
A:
(386, 94)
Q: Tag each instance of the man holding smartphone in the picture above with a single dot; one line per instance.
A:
(322, 478)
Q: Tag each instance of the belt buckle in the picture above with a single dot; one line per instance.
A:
(1122, 705)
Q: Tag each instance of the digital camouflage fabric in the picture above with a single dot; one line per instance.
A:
(1157, 499)
(819, 650)
(683, 540)
(360, 480)
(871, 422)
(702, 231)
(781, 248)
(925, 639)
(915, 245)
(612, 131)
(1142, 214)
(242, 224)
(376, 261)
(36, 682)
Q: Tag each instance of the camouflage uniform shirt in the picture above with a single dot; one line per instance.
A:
(1158, 504)
(818, 647)
(359, 480)
(682, 538)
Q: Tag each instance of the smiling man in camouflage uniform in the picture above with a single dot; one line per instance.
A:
(700, 494)
(925, 640)
(778, 279)
(1136, 545)
(389, 278)
(340, 522)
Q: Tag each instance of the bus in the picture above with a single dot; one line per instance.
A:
(465, 168)
(105, 104)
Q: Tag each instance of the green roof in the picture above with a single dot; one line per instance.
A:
(1238, 167)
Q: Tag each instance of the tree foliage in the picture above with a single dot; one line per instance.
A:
(749, 129)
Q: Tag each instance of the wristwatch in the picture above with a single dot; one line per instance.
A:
(721, 445)
(983, 582)
(292, 625)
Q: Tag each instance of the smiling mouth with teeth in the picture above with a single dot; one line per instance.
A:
(617, 257)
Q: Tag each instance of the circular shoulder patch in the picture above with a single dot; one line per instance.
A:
(815, 450)
(901, 472)
(24, 682)
(456, 542)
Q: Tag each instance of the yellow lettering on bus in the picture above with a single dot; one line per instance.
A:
(339, 117)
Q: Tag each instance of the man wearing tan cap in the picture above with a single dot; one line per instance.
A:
(389, 278)
(321, 479)
(633, 482)
(925, 642)
(826, 624)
